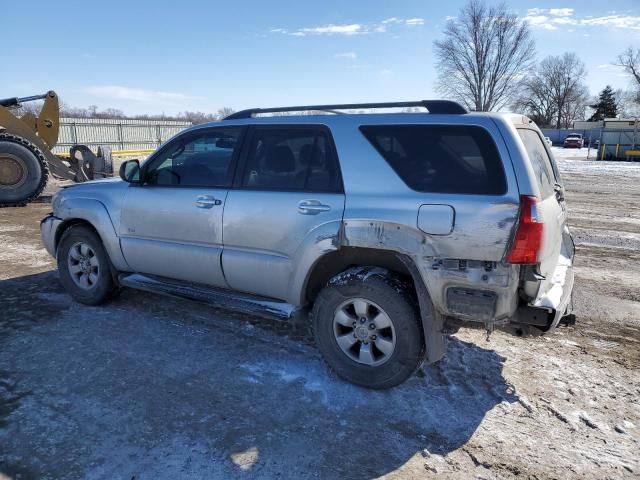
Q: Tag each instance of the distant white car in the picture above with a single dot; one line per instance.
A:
(573, 140)
(548, 140)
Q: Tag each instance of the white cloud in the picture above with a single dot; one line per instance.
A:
(616, 21)
(564, 21)
(117, 92)
(346, 55)
(352, 28)
(561, 12)
(540, 21)
(414, 21)
(407, 21)
(552, 18)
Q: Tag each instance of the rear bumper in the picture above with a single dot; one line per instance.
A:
(48, 228)
(557, 299)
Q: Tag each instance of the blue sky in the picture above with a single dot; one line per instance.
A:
(162, 56)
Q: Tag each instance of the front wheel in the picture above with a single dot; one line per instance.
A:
(84, 266)
(367, 327)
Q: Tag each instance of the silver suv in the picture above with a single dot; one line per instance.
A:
(393, 228)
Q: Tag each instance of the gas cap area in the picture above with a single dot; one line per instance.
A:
(436, 219)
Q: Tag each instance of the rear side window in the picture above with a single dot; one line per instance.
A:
(540, 160)
(290, 158)
(441, 158)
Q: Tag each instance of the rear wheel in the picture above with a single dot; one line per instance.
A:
(368, 329)
(23, 171)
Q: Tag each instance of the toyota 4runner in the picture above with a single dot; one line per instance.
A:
(392, 228)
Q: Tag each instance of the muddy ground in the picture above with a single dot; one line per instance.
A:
(149, 387)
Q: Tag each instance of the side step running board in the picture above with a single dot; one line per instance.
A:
(218, 297)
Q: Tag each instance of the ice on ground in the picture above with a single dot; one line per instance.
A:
(584, 161)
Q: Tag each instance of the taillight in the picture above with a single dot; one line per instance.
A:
(527, 241)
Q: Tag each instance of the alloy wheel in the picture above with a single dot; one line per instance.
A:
(84, 266)
(364, 332)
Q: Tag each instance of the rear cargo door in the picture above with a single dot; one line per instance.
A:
(552, 209)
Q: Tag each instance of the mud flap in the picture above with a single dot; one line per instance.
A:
(432, 321)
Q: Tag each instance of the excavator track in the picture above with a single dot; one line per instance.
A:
(44, 168)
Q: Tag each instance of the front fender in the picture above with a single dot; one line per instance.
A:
(95, 213)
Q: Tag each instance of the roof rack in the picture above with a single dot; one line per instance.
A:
(433, 106)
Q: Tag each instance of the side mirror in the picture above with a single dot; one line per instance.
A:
(130, 171)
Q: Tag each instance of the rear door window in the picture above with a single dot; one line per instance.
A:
(441, 158)
(291, 159)
(542, 164)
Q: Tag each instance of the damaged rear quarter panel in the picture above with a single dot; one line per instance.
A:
(381, 212)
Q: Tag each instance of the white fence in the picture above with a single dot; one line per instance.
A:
(117, 134)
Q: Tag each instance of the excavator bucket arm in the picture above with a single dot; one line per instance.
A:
(42, 130)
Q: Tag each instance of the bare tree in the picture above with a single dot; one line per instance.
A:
(565, 76)
(628, 103)
(575, 107)
(484, 55)
(113, 113)
(555, 95)
(534, 100)
(225, 112)
(630, 60)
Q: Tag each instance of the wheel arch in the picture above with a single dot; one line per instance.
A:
(91, 212)
(66, 225)
(345, 258)
(333, 263)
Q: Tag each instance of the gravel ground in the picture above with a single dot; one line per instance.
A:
(151, 387)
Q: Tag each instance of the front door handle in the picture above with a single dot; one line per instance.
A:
(312, 207)
(207, 201)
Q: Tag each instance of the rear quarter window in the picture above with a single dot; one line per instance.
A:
(541, 163)
(441, 158)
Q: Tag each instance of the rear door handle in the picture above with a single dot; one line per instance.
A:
(312, 207)
(207, 201)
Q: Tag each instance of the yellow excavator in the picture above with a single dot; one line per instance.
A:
(26, 157)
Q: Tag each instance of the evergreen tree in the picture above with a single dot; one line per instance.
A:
(607, 106)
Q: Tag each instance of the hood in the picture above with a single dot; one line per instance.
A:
(99, 181)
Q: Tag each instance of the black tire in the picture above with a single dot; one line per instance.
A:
(25, 171)
(104, 152)
(103, 288)
(392, 296)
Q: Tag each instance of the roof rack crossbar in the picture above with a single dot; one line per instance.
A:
(433, 106)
